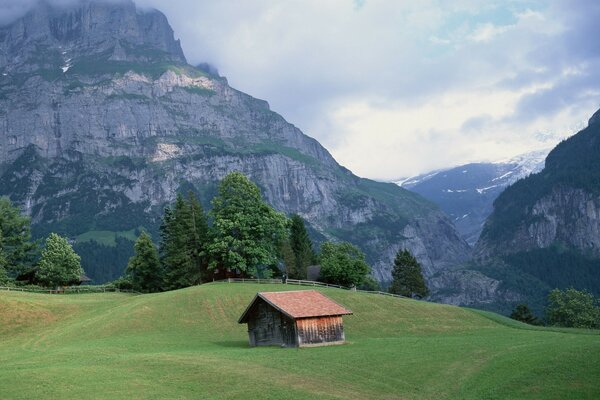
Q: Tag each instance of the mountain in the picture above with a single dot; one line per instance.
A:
(544, 231)
(466, 193)
(102, 122)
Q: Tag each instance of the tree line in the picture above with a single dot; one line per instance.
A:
(240, 236)
(569, 308)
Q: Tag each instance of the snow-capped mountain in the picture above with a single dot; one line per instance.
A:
(467, 192)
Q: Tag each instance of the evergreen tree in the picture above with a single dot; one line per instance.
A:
(199, 238)
(247, 232)
(177, 255)
(3, 275)
(523, 313)
(407, 277)
(289, 259)
(343, 264)
(144, 267)
(59, 264)
(302, 248)
(184, 236)
(17, 248)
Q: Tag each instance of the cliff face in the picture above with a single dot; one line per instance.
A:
(566, 215)
(559, 205)
(102, 121)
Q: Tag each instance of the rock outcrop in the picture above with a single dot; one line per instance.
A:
(102, 121)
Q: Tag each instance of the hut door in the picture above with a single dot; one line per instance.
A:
(288, 332)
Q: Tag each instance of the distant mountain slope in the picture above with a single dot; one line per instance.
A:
(102, 122)
(544, 231)
(466, 193)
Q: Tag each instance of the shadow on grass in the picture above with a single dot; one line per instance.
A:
(239, 344)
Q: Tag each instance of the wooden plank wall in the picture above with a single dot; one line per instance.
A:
(320, 330)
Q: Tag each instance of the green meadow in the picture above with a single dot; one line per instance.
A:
(187, 344)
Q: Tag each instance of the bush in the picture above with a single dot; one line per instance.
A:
(573, 309)
(523, 313)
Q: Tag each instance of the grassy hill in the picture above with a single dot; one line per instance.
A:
(187, 344)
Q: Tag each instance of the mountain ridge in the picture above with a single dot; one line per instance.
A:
(466, 192)
(102, 137)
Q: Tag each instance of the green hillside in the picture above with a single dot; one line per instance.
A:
(187, 344)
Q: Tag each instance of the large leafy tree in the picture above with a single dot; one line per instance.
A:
(184, 236)
(343, 264)
(247, 232)
(407, 277)
(144, 267)
(572, 308)
(302, 248)
(16, 246)
(59, 264)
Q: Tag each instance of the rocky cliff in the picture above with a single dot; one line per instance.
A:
(559, 205)
(102, 121)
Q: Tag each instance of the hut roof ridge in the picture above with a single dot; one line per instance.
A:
(299, 304)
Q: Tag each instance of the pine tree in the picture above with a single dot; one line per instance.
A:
(177, 256)
(144, 267)
(301, 246)
(3, 275)
(17, 248)
(59, 265)
(199, 237)
(184, 236)
(407, 276)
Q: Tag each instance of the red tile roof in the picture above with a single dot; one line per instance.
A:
(300, 304)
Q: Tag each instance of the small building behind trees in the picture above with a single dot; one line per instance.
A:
(294, 319)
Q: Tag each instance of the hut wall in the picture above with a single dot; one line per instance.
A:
(267, 326)
(312, 331)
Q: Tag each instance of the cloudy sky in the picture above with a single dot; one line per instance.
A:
(394, 88)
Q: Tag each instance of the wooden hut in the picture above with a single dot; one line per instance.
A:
(294, 319)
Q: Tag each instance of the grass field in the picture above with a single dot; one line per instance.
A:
(107, 238)
(187, 344)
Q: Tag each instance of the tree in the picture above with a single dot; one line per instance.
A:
(343, 264)
(184, 235)
(59, 264)
(302, 249)
(247, 232)
(3, 275)
(16, 246)
(200, 236)
(523, 313)
(407, 277)
(572, 308)
(144, 267)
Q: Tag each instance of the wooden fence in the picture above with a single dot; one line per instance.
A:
(70, 290)
(305, 283)
(101, 289)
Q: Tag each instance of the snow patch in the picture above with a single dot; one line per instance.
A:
(485, 189)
